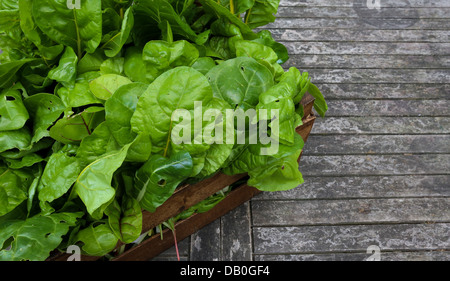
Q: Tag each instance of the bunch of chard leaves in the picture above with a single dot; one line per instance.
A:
(87, 93)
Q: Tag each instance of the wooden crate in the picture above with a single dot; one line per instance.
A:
(187, 196)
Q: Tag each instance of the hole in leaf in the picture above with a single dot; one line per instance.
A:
(9, 98)
(162, 182)
(277, 101)
(47, 235)
(242, 68)
(62, 221)
(7, 244)
(50, 102)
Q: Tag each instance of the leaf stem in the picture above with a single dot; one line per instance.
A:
(78, 35)
(85, 125)
(232, 6)
(176, 243)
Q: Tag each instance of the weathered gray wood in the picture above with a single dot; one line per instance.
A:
(331, 12)
(230, 236)
(317, 187)
(382, 125)
(236, 234)
(407, 164)
(360, 35)
(373, 144)
(350, 211)
(385, 91)
(326, 239)
(366, 48)
(349, 22)
(377, 76)
(367, 61)
(436, 255)
(388, 108)
(362, 3)
(205, 243)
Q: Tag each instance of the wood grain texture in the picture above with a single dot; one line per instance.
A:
(382, 125)
(359, 35)
(362, 3)
(367, 48)
(350, 211)
(377, 144)
(376, 61)
(347, 238)
(431, 255)
(385, 91)
(346, 12)
(360, 187)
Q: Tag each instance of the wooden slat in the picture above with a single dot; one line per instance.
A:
(375, 165)
(350, 211)
(367, 61)
(376, 144)
(327, 239)
(388, 108)
(382, 125)
(359, 35)
(228, 237)
(358, 187)
(206, 243)
(352, 21)
(430, 255)
(236, 234)
(378, 76)
(353, 3)
(385, 91)
(366, 48)
(340, 12)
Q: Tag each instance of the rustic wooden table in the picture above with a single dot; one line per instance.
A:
(377, 168)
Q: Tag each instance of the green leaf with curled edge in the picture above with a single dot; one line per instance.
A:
(157, 179)
(93, 184)
(34, 238)
(13, 113)
(44, 110)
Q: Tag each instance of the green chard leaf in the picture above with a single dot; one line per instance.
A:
(93, 184)
(13, 113)
(81, 29)
(126, 220)
(157, 179)
(35, 237)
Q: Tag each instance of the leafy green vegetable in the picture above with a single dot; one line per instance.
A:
(78, 28)
(126, 220)
(34, 238)
(13, 113)
(106, 107)
(249, 77)
(93, 184)
(157, 179)
(97, 239)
